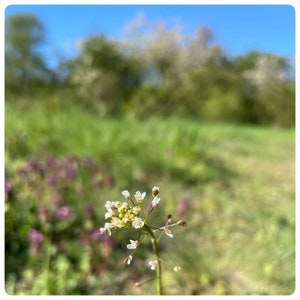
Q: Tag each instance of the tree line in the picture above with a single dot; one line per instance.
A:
(153, 70)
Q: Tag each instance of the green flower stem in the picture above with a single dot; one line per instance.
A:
(158, 266)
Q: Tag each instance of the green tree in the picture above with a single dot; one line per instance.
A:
(157, 69)
(267, 89)
(104, 75)
(25, 69)
(175, 67)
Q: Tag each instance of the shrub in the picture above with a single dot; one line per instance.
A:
(51, 226)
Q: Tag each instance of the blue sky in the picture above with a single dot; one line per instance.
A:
(238, 28)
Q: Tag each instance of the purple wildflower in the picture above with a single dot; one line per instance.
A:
(8, 187)
(183, 207)
(64, 213)
(70, 173)
(35, 236)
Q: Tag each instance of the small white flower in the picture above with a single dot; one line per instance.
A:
(155, 201)
(176, 268)
(109, 214)
(139, 197)
(109, 205)
(107, 228)
(117, 223)
(153, 264)
(136, 210)
(137, 223)
(123, 206)
(133, 244)
(102, 230)
(126, 195)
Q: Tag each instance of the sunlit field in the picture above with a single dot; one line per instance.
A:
(234, 185)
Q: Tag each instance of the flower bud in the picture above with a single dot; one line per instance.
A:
(155, 191)
(181, 223)
(126, 195)
(128, 260)
(169, 219)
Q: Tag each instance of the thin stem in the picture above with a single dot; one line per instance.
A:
(158, 266)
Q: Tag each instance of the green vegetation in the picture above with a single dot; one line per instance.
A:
(155, 69)
(159, 108)
(234, 185)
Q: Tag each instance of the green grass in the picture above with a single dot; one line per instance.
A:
(238, 180)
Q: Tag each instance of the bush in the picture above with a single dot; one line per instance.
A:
(49, 233)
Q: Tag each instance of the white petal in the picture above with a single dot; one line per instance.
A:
(132, 245)
(126, 194)
(152, 264)
(155, 201)
(138, 223)
(109, 204)
(168, 232)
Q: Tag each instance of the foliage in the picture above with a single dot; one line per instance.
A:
(25, 68)
(170, 72)
(154, 69)
(67, 153)
(47, 224)
(269, 90)
(105, 77)
(234, 185)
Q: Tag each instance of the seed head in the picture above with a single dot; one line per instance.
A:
(182, 223)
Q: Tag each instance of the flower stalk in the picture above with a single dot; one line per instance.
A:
(130, 214)
(158, 266)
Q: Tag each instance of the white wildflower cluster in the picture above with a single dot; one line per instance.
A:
(122, 214)
(131, 214)
(127, 214)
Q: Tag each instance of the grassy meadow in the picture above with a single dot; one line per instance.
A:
(234, 185)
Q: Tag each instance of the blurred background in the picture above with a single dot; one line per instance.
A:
(198, 99)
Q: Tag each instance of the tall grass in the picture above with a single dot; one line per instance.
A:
(234, 185)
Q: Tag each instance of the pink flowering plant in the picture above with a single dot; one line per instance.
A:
(131, 213)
